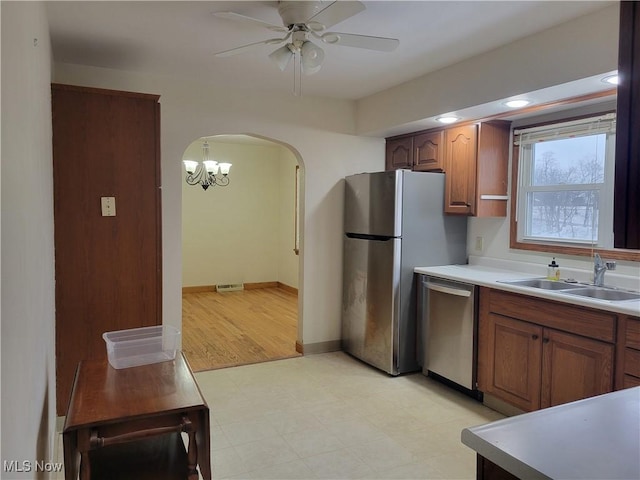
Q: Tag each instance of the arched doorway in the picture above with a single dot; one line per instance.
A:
(240, 255)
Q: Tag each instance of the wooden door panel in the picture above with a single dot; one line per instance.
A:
(428, 152)
(108, 269)
(399, 153)
(516, 361)
(460, 165)
(574, 367)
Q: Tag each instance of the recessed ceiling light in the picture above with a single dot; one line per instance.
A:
(447, 119)
(612, 79)
(517, 103)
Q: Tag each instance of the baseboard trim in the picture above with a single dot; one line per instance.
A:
(500, 406)
(199, 289)
(254, 286)
(247, 286)
(288, 288)
(320, 347)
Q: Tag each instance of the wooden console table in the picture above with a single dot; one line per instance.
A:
(140, 412)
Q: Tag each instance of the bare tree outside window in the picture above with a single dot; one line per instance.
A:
(566, 178)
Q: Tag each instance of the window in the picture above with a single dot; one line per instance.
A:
(565, 183)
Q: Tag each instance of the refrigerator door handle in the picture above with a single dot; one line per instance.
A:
(449, 290)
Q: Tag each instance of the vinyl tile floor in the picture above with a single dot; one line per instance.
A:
(330, 416)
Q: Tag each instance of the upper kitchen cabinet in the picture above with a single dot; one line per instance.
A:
(423, 152)
(106, 175)
(627, 176)
(399, 153)
(428, 150)
(476, 159)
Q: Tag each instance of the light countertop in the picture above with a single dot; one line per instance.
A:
(595, 438)
(492, 277)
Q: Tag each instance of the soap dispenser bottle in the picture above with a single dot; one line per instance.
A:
(553, 270)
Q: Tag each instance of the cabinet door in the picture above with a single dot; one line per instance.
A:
(399, 153)
(511, 361)
(428, 152)
(460, 165)
(574, 367)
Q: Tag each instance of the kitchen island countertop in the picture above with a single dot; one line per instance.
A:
(594, 438)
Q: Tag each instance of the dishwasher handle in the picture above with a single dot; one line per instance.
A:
(448, 290)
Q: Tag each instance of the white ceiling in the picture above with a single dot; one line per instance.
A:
(180, 38)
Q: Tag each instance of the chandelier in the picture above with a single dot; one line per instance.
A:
(209, 173)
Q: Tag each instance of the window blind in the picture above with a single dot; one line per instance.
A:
(576, 128)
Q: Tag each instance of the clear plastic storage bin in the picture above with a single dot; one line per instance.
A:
(141, 346)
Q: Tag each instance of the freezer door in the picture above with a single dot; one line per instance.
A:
(373, 204)
(370, 306)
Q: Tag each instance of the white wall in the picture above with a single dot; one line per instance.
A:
(234, 234)
(28, 322)
(574, 50)
(322, 141)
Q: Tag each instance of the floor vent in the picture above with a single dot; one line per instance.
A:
(229, 287)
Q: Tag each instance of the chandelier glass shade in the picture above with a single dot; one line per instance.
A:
(209, 173)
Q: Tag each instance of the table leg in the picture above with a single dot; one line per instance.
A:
(202, 442)
(71, 455)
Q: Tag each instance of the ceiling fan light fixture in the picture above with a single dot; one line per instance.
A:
(311, 57)
(282, 57)
(331, 38)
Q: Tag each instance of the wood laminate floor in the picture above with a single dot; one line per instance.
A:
(238, 328)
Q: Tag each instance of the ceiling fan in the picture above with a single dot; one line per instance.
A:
(303, 21)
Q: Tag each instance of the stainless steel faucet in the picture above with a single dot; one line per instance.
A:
(599, 269)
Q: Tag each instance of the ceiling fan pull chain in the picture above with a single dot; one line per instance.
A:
(297, 74)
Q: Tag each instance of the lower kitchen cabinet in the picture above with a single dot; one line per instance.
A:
(534, 353)
(628, 373)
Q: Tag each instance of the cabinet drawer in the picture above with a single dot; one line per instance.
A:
(579, 320)
(630, 382)
(632, 338)
(632, 362)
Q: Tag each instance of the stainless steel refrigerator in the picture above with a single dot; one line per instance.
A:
(393, 222)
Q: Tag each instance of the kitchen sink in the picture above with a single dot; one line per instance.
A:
(605, 294)
(582, 290)
(544, 284)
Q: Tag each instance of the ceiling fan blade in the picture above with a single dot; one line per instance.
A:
(335, 13)
(243, 18)
(250, 46)
(381, 44)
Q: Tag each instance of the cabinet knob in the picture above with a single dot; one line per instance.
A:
(534, 336)
(545, 340)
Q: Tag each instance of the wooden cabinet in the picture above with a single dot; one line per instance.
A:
(474, 158)
(514, 369)
(534, 353)
(476, 163)
(399, 153)
(626, 214)
(428, 151)
(628, 371)
(460, 165)
(107, 268)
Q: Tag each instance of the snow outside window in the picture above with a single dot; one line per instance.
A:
(565, 187)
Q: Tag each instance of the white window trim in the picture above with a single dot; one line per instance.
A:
(525, 138)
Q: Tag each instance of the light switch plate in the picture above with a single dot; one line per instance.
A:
(479, 244)
(108, 205)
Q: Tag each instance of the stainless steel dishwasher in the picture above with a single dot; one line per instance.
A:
(447, 331)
